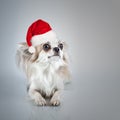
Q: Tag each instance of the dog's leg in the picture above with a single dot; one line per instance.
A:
(37, 97)
(55, 100)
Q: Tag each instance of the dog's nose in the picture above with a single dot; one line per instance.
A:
(56, 49)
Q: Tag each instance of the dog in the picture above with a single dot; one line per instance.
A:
(47, 68)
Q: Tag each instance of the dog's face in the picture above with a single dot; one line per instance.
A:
(50, 52)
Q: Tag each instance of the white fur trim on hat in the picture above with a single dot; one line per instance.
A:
(31, 49)
(43, 38)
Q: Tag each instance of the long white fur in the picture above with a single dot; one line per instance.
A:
(44, 75)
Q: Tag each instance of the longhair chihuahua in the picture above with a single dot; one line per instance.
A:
(45, 62)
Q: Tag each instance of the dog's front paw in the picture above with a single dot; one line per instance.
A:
(40, 101)
(55, 102)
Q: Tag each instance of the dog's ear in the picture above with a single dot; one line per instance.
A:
(35, 55)
(65, 54)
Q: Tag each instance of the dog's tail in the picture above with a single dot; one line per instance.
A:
(23, 56)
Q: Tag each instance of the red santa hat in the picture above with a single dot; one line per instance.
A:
(39, 32)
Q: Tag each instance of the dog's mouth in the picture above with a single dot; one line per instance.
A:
(54, 56)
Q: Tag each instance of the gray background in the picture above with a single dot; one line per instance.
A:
(92, 30)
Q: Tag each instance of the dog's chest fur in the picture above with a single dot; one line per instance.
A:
(46, 78)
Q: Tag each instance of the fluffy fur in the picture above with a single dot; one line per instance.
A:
(46, 71)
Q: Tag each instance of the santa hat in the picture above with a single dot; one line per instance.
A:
(39, 32)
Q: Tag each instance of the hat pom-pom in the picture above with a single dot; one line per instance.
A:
(31, 49)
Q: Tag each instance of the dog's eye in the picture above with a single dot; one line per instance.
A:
(46, 47)
(60, 46)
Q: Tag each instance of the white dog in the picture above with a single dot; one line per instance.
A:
(45, 62)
